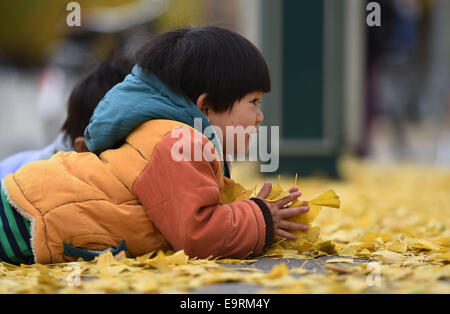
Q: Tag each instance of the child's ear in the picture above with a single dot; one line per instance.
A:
(80, 145)
(201, 103)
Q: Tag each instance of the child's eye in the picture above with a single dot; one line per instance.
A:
(255, 101)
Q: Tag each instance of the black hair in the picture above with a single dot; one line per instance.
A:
(86, 95)
(206, 59)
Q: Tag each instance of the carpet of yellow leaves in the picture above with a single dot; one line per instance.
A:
(391, 234)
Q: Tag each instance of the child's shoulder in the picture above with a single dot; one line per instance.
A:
(168, 135)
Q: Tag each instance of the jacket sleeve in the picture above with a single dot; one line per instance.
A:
(182, 200)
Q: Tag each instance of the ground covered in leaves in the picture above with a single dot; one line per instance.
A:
(391, 234)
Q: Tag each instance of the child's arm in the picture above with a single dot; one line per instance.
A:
(182, 200)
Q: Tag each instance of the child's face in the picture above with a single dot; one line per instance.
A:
(245, 114)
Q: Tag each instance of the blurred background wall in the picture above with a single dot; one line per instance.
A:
(339, 86)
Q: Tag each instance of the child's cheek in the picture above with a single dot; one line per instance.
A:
(247, 143)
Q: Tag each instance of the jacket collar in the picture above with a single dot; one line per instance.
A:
(185, 103)
(142, 97)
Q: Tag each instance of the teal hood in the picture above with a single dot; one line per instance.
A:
(139, 98)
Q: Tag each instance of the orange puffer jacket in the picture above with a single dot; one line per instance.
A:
(137, 193)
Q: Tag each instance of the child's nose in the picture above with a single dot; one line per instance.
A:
(259, 117)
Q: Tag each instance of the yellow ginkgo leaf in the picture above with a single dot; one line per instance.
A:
(278, 271)
(305, 239)
(341, 260)
(234, 192)
(106, 259)
(397, 245)
(235, 261)
(328, 199)
(327, 247)
(45, 278)
(423, 244)
(348, 251)
(444, 257)
(144, 258)
(162, 262)
(309, 216)
(179, 258)
(364, 252)
(276, 193)
(444, 241)
(389, 257)
(372, 240)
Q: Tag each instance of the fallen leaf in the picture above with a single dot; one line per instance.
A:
(389, 257)
(444, 241)
(234, 192)
(277, 271)
(423, 244)
(327, 247)
(340, 260)
(398, 246)
(339, 268)
(348, 251)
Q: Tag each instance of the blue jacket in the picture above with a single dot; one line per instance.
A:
(17, 161)
(139, 98)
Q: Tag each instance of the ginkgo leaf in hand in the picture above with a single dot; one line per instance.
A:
(276, 193)
(306, 239)
(234, 192)
(328, 199)
(309, 216)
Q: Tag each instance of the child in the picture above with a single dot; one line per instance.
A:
(134, 194)
(15, 230)
(82, 102)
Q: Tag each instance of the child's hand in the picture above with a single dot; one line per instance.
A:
(279, 213)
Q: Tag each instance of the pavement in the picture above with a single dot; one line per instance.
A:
(316, 265)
